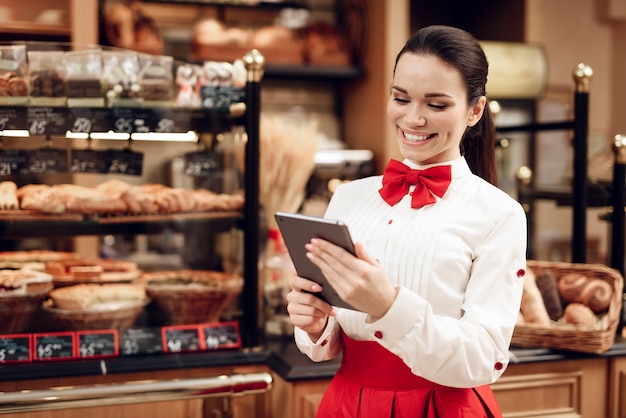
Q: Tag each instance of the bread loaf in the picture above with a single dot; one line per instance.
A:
(546, 282)
(89, 296)
(533, 308)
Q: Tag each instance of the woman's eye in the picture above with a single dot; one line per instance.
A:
(437, 106)
(399, 100)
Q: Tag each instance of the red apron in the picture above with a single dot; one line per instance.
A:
(372, 382)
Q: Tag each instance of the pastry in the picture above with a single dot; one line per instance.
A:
(93, 296)
(533, 308)
(8, 196)
(16, 282)
(100, 270)
(579, 314)
(578, 288)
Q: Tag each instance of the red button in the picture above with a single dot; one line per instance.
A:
(498, 366)
(323, 343)
(521, 273)
(390, 221)
(378, 335)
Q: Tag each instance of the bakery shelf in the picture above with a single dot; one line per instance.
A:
(235, 3)
(32, 28)
(313, 72)
(12, 226)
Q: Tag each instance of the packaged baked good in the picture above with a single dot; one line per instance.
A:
(188, 79)
(157, 80)
(121, 83)
(84, 74)
(13, 75)
(47, 78)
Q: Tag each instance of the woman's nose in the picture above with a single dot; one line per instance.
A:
(415, 117)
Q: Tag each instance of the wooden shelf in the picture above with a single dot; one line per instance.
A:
(33, 28)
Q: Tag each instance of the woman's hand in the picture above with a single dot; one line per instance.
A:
(359, 280)
(306, 310)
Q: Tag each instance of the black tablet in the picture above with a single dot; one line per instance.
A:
(297, 231)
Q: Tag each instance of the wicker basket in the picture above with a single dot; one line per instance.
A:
(120, 319)
(571, 337)
(16, 311)
(202, 300)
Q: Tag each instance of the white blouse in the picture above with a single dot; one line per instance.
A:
(458, 265)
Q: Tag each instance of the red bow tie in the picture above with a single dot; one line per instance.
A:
(431, 181)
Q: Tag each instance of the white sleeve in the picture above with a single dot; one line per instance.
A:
(327, 347)
(474, 349)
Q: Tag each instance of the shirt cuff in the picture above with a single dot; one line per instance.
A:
(406, 312)
(325, 348)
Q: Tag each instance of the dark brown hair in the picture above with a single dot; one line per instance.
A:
(461, 50)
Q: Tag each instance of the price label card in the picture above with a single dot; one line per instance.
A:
(47, 160)
(181, 338)
(202, 164)
(141, 341)
(47, 120)
(220, 98)
(130, 120)
(54, 346)
(124, 162)
(15, 348)
(89, 161)
(221, 335)
(171, 120)
(13, 162)
(97, 344)
(87, 120)
(13, 118)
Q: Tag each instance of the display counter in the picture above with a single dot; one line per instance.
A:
(538, 382)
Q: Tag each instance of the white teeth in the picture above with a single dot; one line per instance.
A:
(415, 138)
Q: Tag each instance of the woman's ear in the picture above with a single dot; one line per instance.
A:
(476, 111)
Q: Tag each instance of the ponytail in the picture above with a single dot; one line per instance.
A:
(478, 146)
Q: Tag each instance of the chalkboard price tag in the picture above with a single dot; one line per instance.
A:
(87, 120)
(131, 120)
(202, 164)
(220, 98)
(141, 341)
(180, 338)
(124, 162)
(47, 121)
(15, 348)
(89, 161)
(13, 118)
(47, 160)
(97, 344)
(54, 346)
(13, 162)
(171, 120)
(221, 335)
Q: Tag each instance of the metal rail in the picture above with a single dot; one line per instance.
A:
(141, 391)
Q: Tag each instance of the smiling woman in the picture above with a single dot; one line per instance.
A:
(433, 236)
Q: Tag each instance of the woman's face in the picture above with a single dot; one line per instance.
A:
(428, 109)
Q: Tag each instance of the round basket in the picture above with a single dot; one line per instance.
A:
(16, 311)
(120, 318)
(201, 297)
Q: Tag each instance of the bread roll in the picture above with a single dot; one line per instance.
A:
(579, 314)
(578, 288)
(532, 307)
